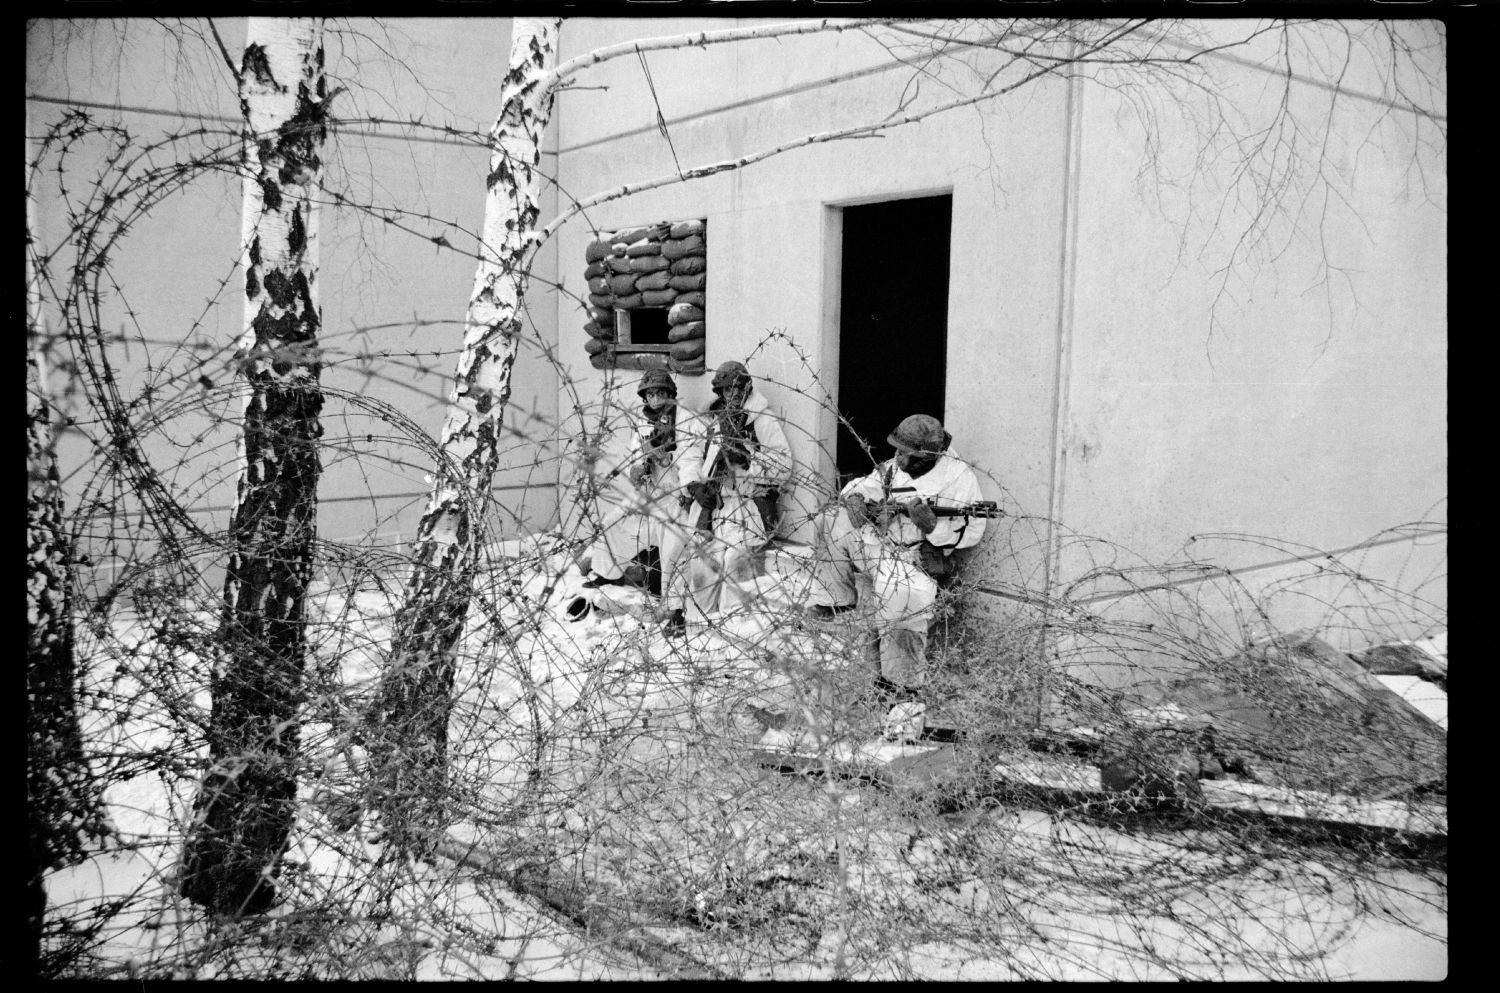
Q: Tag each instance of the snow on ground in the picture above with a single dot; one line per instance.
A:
(596, 677)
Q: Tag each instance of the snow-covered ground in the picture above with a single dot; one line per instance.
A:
(657, 800)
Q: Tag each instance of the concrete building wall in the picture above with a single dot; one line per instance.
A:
(1099, 375)
(393, 301)
(1096, 376)
(773, 227)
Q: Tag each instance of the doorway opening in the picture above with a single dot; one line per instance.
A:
(893, 323)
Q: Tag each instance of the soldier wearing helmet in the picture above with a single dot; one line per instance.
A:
(886, 546)
(745, 462)
(664, 457)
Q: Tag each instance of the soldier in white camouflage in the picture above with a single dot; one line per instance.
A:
(663, 459)
(745, 462)
(889, 544)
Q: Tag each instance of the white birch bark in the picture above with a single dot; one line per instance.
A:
(408, 725)
(245, 808)
(409, 722)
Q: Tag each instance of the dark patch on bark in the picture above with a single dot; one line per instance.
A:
(300, 139)
(270, 193)
(252, 270)
(256, 64)
(296, 238)
(291, 290)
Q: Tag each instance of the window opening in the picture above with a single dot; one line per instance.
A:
(643, 329)
(647, 297)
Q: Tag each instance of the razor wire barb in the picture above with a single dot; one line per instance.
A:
(606, 815)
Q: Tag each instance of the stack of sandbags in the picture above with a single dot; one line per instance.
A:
(664, 265)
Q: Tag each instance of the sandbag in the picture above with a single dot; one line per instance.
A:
(602, 315)
(688, 283)
(641, 361)
(595, 346)
(632, 235)
(685, 332)
(695, 298)
(682, 313)
(622, 285)
(618, 249)
(629, 302)
(599, 285)
(681, 248)
(648, 263)
(658, 298)
(644, 248)
(596, 251)
(683, 229)
(604, 300)
(653, 281)
(617, 264)
(604, 332)
(684, 351)
(595, 269)
(689, 266)
(693, 367)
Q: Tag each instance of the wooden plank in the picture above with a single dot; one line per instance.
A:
(898, 764)
(1311, 805)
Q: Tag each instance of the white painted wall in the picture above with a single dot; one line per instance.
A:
(1083, 379)
(768, 228)
(393, 302)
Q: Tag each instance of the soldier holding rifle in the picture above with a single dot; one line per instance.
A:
(746, 460)
(899, 532)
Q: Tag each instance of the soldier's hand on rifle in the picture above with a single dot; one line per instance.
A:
(736, 454)
(704, 494)
(921, 515)
(858, 510)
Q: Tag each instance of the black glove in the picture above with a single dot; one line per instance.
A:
(858, 510)
(736, 455)
(706, 495)
(921, 515)
(933, 561)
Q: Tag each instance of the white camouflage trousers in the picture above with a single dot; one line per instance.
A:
(706, 568)
(860, 566)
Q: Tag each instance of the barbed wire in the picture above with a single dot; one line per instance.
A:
(612, 807)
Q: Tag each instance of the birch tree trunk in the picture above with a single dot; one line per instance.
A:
(408, 730)
(245, 807)
(64, 811)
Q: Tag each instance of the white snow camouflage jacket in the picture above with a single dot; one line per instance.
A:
(950, 483)
(770, 455)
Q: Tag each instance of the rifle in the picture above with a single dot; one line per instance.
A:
(718, 467)
(978, 508)
(714, 487)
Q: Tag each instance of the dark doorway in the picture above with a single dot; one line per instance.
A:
(893, 325)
